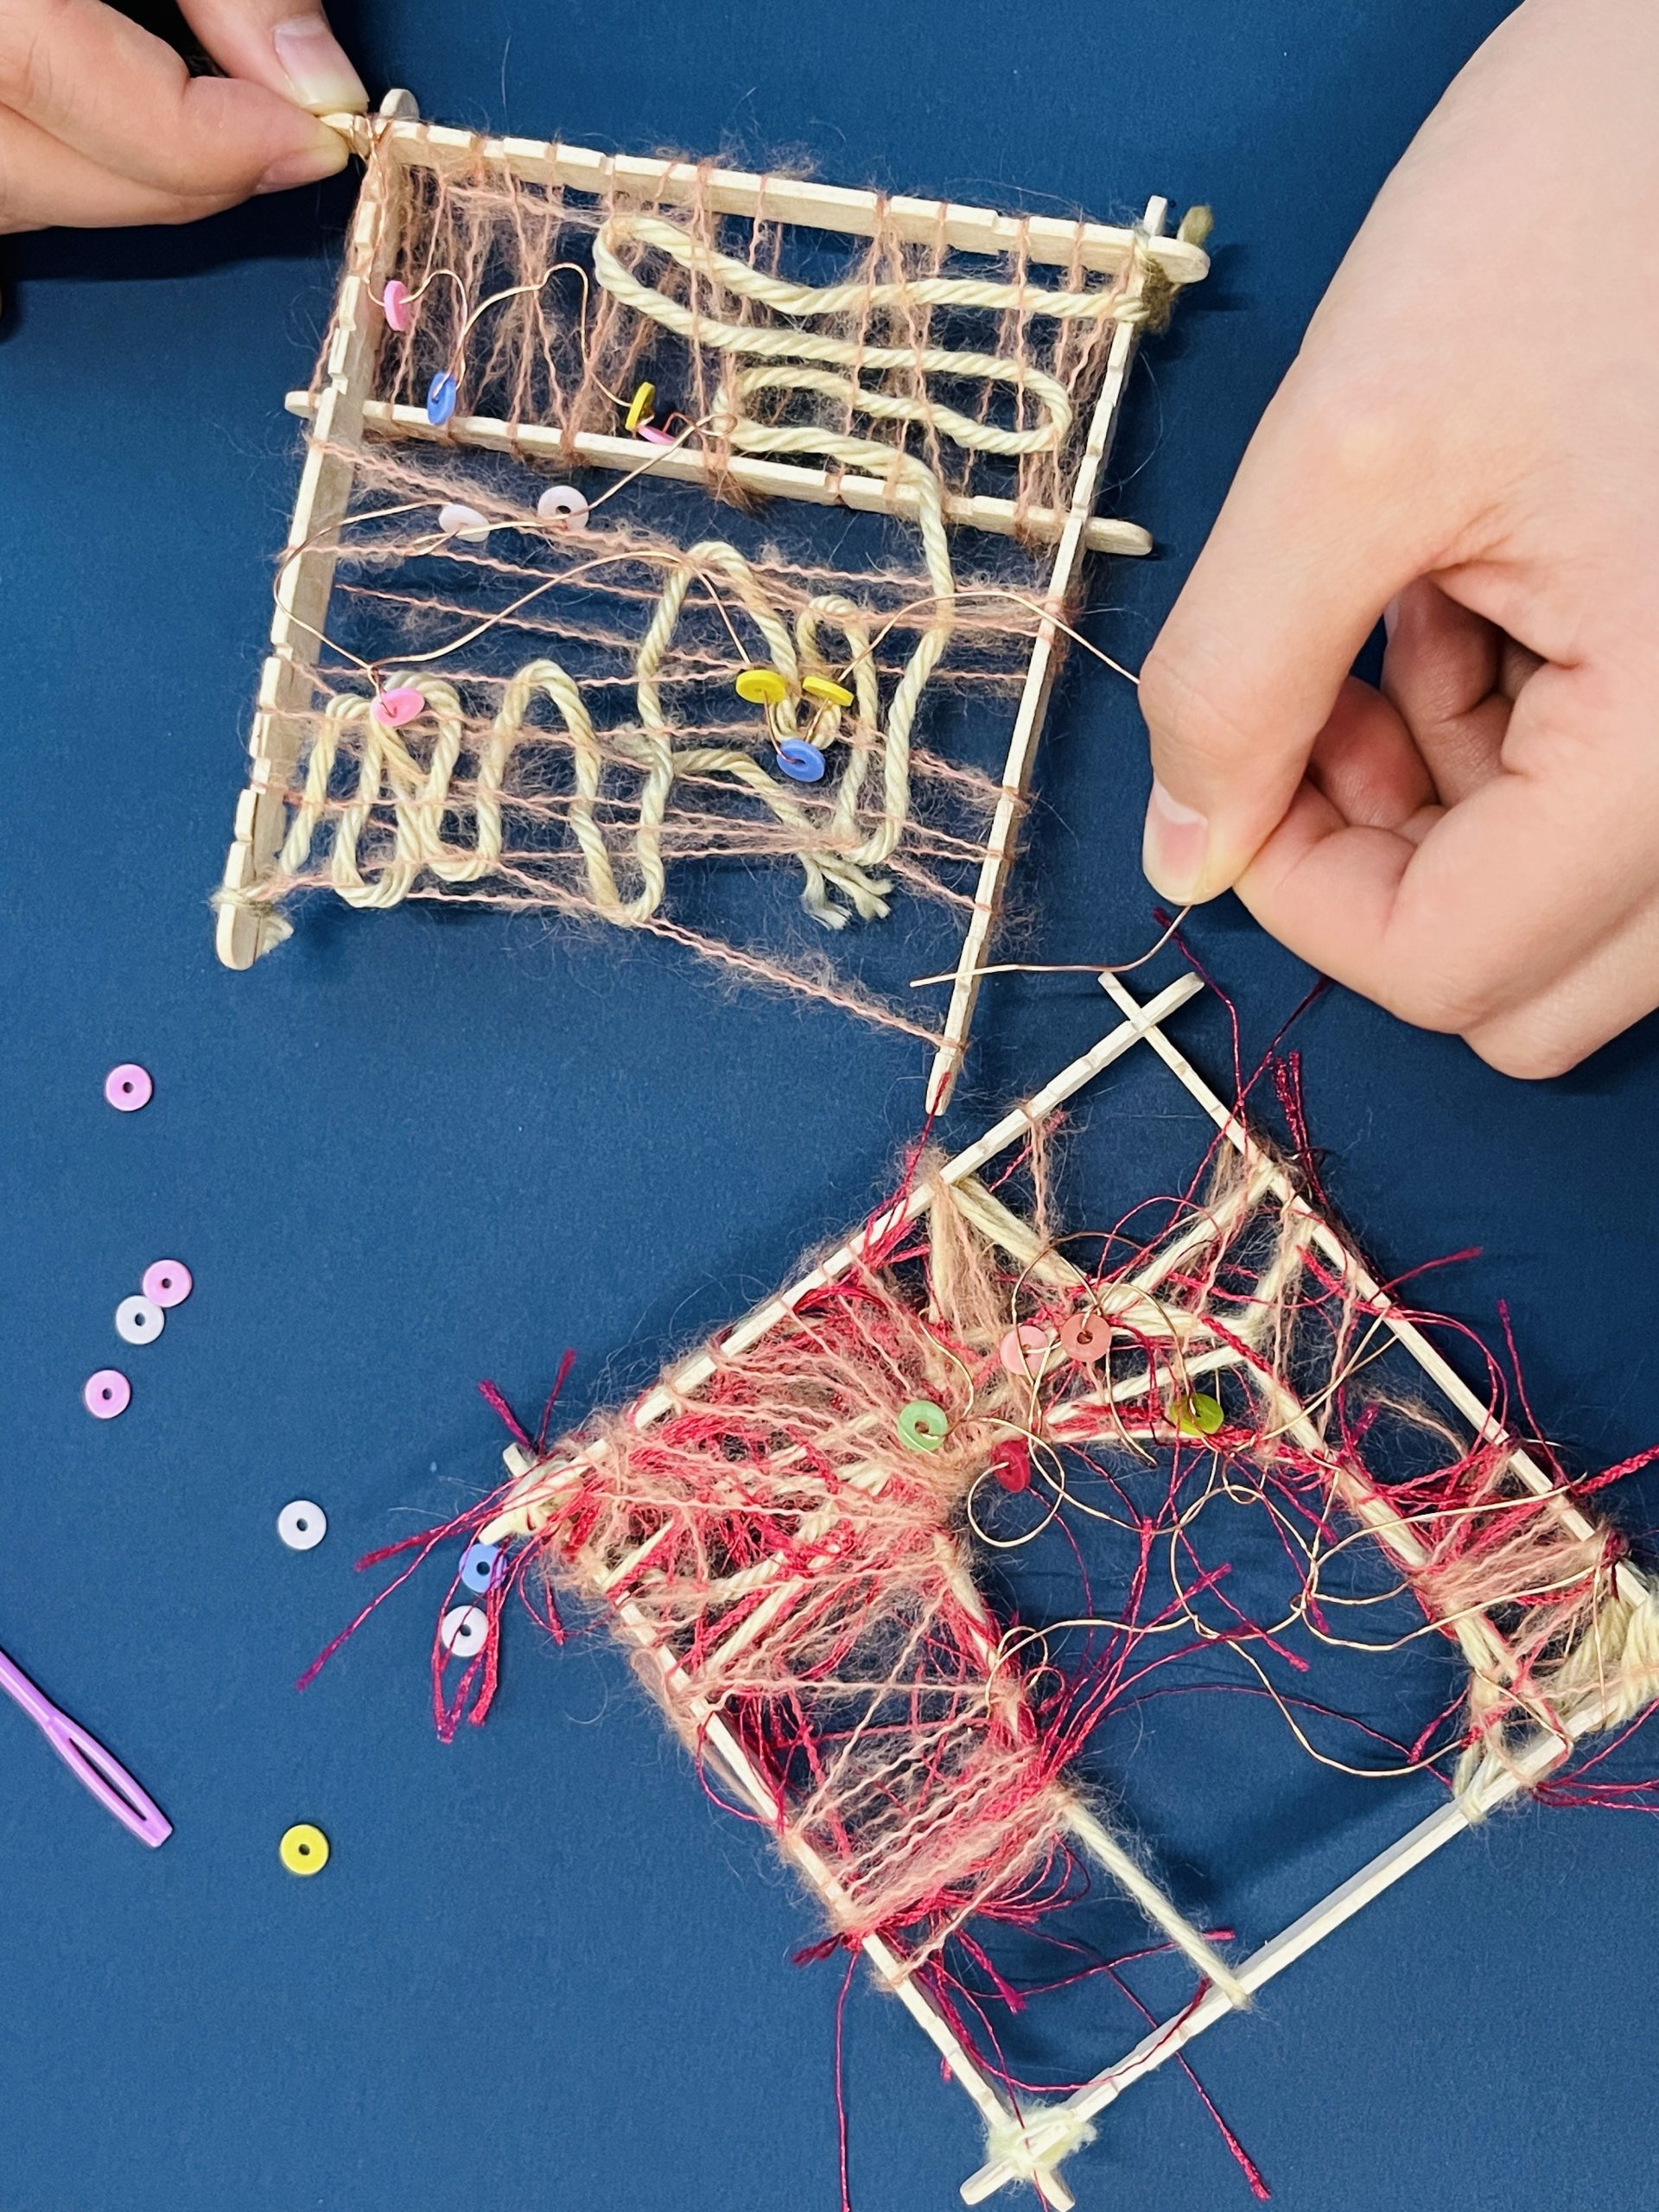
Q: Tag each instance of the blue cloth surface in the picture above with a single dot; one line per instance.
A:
(403, 1153)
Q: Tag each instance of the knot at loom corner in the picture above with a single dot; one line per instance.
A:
(1032, 2146)
(1159, 289)
(1607, 1677)
(247, 913)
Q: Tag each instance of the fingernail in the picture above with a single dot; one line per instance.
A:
(1176, 841)
(314, 64)
(1391, 616)
(327, 157)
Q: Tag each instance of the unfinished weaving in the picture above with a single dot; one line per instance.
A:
(520, 656)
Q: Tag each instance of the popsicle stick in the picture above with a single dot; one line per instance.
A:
(1102, 248)
(1044, 667)
(773, 480)
(307, 576)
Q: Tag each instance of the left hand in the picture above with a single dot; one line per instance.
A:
(102, 124)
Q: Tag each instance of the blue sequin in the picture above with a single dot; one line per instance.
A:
(801, 762)
(481, 1566)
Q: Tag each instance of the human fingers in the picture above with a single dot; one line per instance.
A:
(1393, 759)
(1365, 762)
(1584, 1008)
(109, 90)
(1454, 925)
(43, 181)
(1426, 428)
(1454, 676)
(1310, 545)
(285, 47)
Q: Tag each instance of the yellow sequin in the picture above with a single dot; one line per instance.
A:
(822, 688)
(762, 686)
(304, 1850)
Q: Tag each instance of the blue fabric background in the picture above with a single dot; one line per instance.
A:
(540, 1970)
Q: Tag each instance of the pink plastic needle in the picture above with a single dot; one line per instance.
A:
(86, 1757)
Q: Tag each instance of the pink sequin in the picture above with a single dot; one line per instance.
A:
(107, 1394)
(167, 1282)
(1023, 1351)
(400, 705)
(128, 1087)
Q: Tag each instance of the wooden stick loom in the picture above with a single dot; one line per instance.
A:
(799, 1596)
(485, 685)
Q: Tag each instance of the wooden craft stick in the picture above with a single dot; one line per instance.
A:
(1102, 247)
(1110, 1855)
(307, 576)
(773, 480)
(1351, 1896)
(1040, 672)
(517, 1516)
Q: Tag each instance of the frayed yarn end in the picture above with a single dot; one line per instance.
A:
(1034, 2144)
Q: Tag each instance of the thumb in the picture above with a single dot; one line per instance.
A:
(284, 45)
(1308, 549)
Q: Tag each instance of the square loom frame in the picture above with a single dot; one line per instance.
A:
(342, 411)
(1048, 2131)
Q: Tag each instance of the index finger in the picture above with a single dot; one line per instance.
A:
(1310, 545)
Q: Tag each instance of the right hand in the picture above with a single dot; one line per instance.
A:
(1467, 445)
